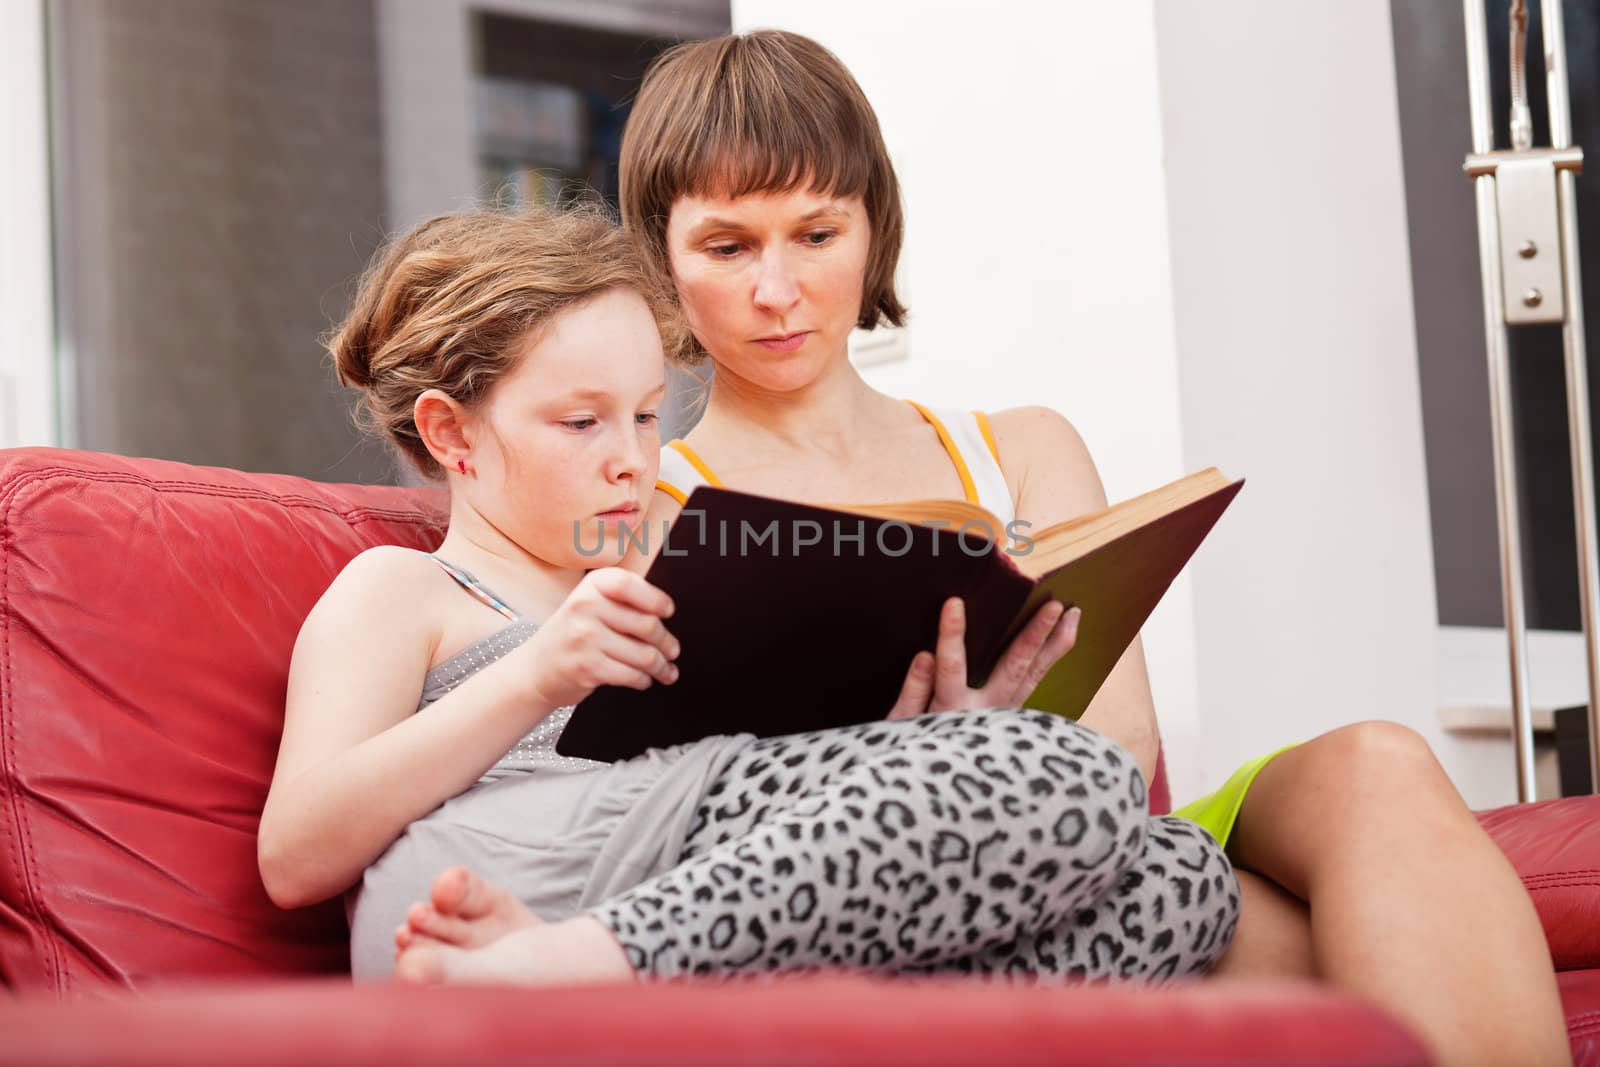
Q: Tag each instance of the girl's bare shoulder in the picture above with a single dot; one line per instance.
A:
(385, 593)
(386, 571)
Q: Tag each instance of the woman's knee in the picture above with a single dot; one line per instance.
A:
(1342, 794)
(1378, 756)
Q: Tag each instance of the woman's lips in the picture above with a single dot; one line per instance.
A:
(786, 343)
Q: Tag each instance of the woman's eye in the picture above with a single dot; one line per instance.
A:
(577, 424)
(819, 237)
(724, 251)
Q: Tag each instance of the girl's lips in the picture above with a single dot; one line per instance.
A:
(784, 344)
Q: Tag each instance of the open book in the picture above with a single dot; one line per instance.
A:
(795, 617)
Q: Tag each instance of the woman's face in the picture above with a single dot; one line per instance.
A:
(771, 283)
(570, 437)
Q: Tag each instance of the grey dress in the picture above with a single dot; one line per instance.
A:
(562, 834)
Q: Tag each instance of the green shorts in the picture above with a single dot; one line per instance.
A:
(1218, 811)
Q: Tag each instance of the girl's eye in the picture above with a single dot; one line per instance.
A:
(646, 418)
(578, 425)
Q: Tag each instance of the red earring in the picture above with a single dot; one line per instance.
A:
(462, 464)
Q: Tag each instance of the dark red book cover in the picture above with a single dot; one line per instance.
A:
(794, 617)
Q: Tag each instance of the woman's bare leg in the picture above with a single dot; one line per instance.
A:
(1412, 905)
(1273, 938)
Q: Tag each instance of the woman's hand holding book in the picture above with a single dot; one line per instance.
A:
(937, 680)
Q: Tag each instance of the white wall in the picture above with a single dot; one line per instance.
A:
(1183, 226)
(27, 359)
(1027, 138)
(1296, 343)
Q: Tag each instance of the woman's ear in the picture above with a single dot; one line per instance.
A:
(445, 427)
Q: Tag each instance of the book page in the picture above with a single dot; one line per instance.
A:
(1066, 541)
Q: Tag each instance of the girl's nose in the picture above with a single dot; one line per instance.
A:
(628, 458)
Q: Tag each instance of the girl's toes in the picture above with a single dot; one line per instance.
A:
(423, 965)
(444, 928)
(453, 888)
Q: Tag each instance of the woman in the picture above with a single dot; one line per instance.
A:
(755, 177)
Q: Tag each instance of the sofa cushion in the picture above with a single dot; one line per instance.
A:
(1555, 847)
(147, 614)
(1580, 999)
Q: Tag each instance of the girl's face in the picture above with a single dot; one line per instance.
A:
(570, 435)
(771, 283)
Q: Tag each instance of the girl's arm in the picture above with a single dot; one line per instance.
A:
(1052, 478)
(358, 763)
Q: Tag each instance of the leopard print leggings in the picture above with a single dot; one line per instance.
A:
(1014, 843)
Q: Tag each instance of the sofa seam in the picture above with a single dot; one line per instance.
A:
(1584, 884)
(358, 513)
(1578, 873)
(25, 854)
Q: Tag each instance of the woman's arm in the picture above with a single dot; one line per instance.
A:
(1053, 478)
(356, 766)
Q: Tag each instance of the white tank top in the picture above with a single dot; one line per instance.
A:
(966, 436)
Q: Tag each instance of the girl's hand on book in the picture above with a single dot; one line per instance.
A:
(609, 631)
(937, 681)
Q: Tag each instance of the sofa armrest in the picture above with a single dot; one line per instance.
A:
(831, 1019)
(1555, 847)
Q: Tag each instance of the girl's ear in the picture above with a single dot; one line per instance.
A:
(445, 427)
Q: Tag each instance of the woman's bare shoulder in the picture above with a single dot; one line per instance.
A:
(1046, 464)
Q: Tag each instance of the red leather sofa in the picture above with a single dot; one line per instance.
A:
(147, 612)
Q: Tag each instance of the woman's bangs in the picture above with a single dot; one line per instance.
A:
(738, 163)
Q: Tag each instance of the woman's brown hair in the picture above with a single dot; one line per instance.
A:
(453, 304)
(768, 111)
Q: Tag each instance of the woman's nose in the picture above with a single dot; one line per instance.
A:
(776, 289)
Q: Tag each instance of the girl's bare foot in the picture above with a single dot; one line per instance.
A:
(464, 911)
(577, 950)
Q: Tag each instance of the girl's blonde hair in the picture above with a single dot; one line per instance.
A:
(453, 303)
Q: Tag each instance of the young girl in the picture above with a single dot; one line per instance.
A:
(519, 358)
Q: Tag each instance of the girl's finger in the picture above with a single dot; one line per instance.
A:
(639, 625)
(639, 656)
(631, 590)
(620, 674)
(916, 689)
